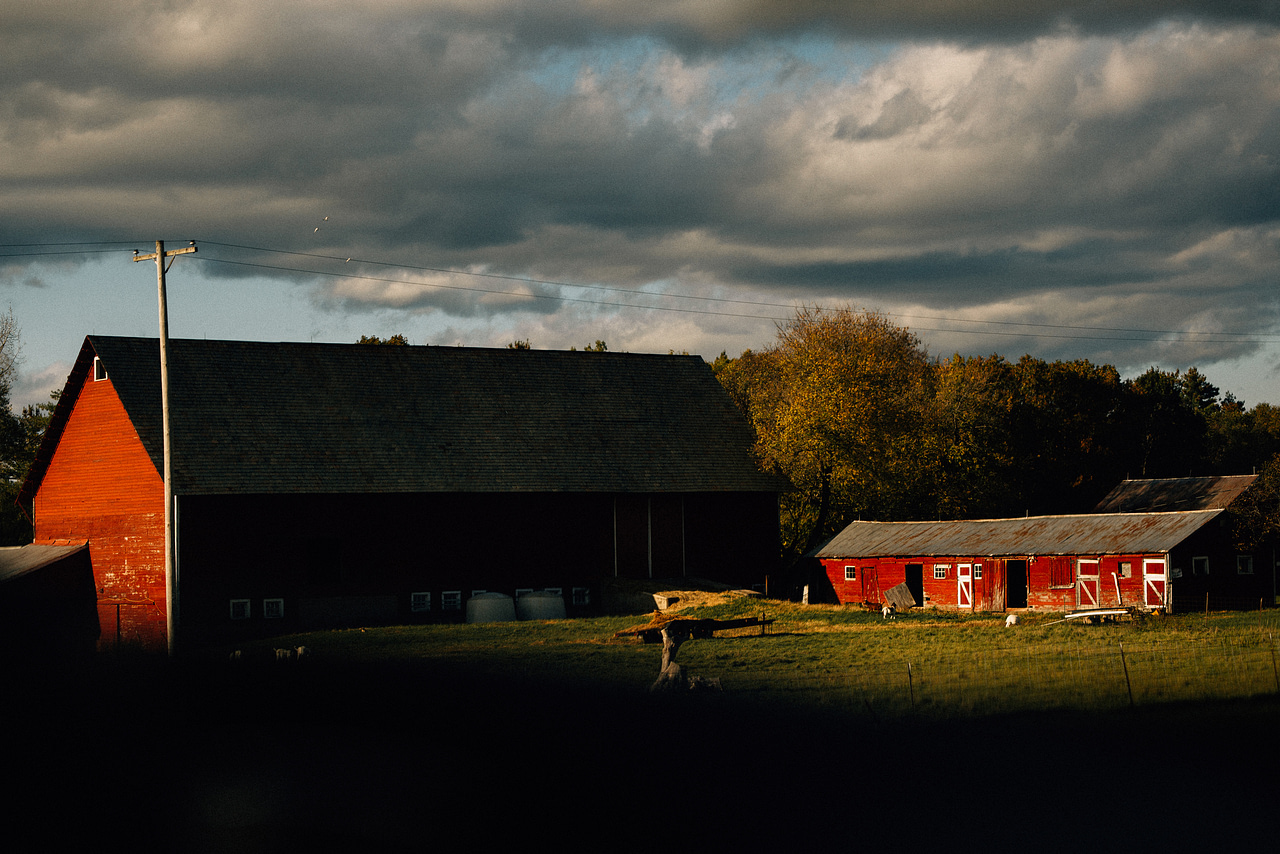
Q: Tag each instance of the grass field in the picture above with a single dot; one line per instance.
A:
(544, 735)
(922, 664)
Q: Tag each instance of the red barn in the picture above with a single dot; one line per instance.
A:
(1170, 560)
(322, 484)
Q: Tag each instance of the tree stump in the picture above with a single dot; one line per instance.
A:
(670, 677)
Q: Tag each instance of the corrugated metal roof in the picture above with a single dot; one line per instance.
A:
(19, 560)
(1170, 494)
(1108, 533)
(270, 418)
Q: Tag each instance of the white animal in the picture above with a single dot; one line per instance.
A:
(1011, 620)
(889, 612)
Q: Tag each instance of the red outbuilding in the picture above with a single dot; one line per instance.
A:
(323, 485)
(1180, 558)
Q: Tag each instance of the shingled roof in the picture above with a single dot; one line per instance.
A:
(267, 418)
(1177, 493)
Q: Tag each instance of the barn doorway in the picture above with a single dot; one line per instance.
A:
(915, 581)
(1015, 583)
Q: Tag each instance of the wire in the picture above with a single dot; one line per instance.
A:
(1129, 334)
(501, 276)
(1124, 333)
(60, 252)
(526, 294)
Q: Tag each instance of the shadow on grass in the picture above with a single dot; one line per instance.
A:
(210, 757)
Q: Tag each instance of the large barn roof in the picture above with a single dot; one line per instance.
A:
(1106, 533)
(265, 418)
(1179, 493)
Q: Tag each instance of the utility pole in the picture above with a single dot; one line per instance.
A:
(170, 529)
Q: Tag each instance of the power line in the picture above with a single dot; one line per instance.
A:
(59, 252)
(1129, 334)
(526, 294)
(1121, 333)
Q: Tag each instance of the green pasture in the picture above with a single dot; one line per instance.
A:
(923, 664)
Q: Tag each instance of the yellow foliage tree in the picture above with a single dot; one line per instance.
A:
(838, 403)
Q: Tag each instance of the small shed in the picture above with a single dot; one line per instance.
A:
(1056, 563)
(47, 602)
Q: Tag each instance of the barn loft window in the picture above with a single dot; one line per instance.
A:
(239, 609)
(977, 570)
(273, 609)
(99, 370)
(850, 573)
(582, 595)
(1244, 564)
(1200, 565)
(451, 600)
(419, 602)
(940, 570)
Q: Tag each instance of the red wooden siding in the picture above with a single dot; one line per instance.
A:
(101, 486)
(1052, 580)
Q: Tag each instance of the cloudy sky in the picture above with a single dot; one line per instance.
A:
(1056, 177)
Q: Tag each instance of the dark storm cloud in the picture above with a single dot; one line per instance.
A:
(1055, 160)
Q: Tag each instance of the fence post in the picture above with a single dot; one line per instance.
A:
(1275, 671)
(911, 688)
(1127, 683)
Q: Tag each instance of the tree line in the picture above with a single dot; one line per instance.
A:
(865, 424)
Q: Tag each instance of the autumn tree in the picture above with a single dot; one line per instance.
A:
(598, 347)
(973, 464)
(1255, 515)
(396, 340)
(1069, 435)
(1167, 422)
(837, 403)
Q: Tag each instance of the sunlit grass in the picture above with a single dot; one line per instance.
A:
(923, 663)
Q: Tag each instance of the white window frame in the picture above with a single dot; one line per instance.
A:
(1200, 565)
(420, 601)
(272, 609)
(977, 572)
(850, 573)
(559, 591)
(944, 568)
(451, 600)
(523, 591)
(1244, 564)
(241, 609)
(99, 370)
(582, 595)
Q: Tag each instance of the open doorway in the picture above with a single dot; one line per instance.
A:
(915, 581)
(1015, 583)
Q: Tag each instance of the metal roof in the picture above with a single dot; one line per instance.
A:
(1179, 493)
(16, 561)
(1105, 533)
(272, 418)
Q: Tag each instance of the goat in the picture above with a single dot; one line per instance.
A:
(889, 612)
(1011, 620)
